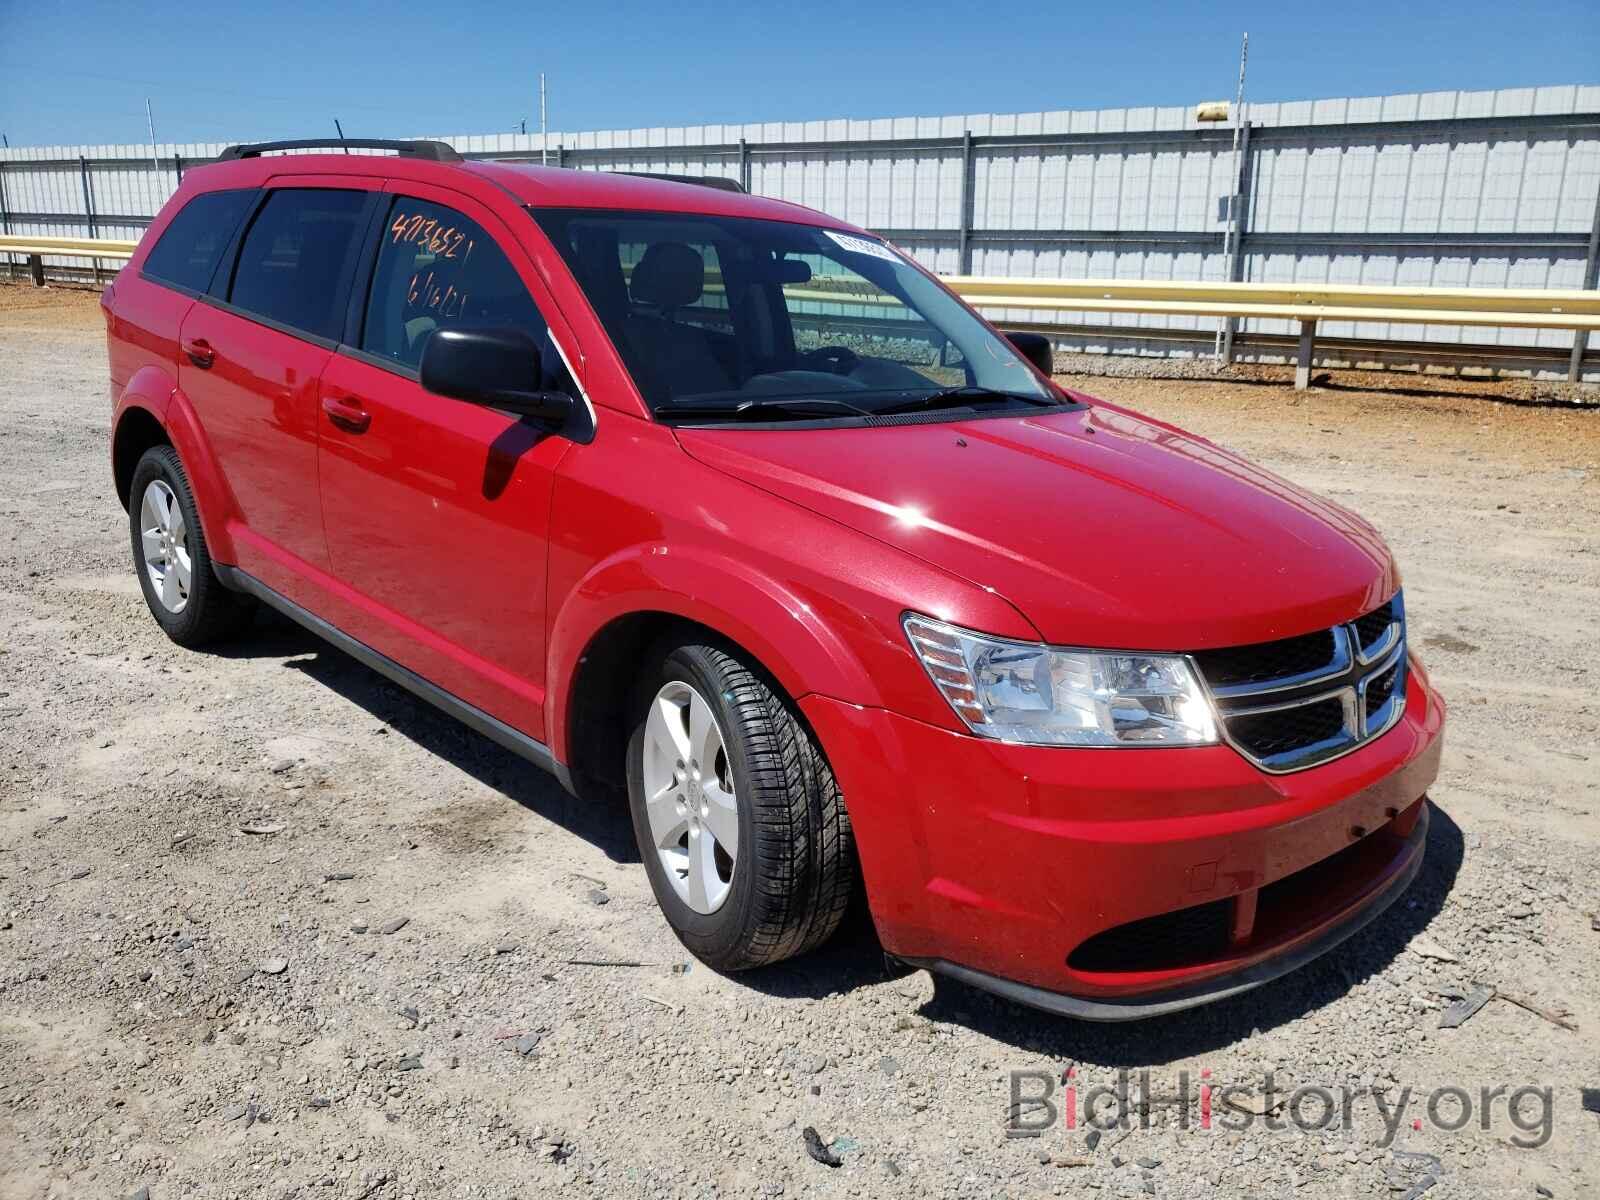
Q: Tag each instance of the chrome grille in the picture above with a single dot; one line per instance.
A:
(1300, 701)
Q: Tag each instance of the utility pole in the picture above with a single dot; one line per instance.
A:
(544, 157)
(1235, 201)
(149, 116)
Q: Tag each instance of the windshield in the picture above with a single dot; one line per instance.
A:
(736, 316)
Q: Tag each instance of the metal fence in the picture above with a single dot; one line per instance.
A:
(1451, 189)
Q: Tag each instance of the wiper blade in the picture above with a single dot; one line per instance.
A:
(964, 396)
(767, 406)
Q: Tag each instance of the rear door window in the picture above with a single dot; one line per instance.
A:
(439, 269)
(298, 257)
(193, 243)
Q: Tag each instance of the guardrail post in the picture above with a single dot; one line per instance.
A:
(36, 269)
(1302, 362)
(964, 258)
(1591, 268)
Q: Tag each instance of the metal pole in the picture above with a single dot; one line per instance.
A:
(88, 209)
(1235, 263)
(544, 158)
(155, 158)
(5, 221)
(1591, 279)
(964, 252)
(1233, 200)
(744, 164)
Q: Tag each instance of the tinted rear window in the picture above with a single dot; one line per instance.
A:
(297, 258)
(193, 243)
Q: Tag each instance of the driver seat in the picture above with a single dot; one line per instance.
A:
(670, 276)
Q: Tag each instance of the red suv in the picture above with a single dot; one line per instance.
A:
(729, 506)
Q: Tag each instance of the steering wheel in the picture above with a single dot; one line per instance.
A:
(840, 360)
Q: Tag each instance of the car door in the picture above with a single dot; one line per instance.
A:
(437, 510)
(253, 352)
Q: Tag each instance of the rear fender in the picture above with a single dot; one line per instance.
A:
(152, 390)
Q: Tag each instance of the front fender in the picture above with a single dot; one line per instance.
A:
(787, 635)
(152, 391)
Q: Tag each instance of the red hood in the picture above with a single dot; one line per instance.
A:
(1101, 527)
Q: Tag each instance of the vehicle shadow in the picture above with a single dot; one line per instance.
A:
(856, 960)
(607, 827)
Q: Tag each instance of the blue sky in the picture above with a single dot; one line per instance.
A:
(79, 71)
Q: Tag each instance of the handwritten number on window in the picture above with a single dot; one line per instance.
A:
(441, 241)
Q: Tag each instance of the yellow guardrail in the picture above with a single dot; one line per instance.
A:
(1517, 308)
(1538, 308)
(32, 245)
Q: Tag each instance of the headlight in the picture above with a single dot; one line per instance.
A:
(1025, 692)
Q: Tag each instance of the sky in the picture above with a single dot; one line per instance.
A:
(80, 71)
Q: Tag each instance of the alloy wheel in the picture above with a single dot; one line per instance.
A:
(689, 797)
(164, 542)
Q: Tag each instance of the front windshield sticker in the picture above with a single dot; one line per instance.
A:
(858, 245)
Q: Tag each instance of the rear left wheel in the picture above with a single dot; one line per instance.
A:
(739, 820)
(170, 555)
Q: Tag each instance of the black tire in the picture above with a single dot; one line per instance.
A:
(212, 612)
(796, 868)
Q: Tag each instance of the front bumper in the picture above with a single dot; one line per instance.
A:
(1115, 884)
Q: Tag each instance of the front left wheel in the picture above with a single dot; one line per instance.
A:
(739, 820)
(171, 558)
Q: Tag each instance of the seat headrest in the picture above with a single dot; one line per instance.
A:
(670, 274)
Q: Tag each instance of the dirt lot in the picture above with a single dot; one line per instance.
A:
(532, 1025)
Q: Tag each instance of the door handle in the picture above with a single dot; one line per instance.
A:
(199, 352)
(346, 412)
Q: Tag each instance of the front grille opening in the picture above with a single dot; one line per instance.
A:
(1174, 939)
(1266, 734)
(1381, 688)
(1266, 661)
(1371, 628)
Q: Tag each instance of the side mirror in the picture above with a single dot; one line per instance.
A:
(498, 368)
(1034, 347)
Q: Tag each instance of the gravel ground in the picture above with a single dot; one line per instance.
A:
(429, 973)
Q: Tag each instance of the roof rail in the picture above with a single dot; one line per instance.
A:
(710, 181)
(432, 151)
